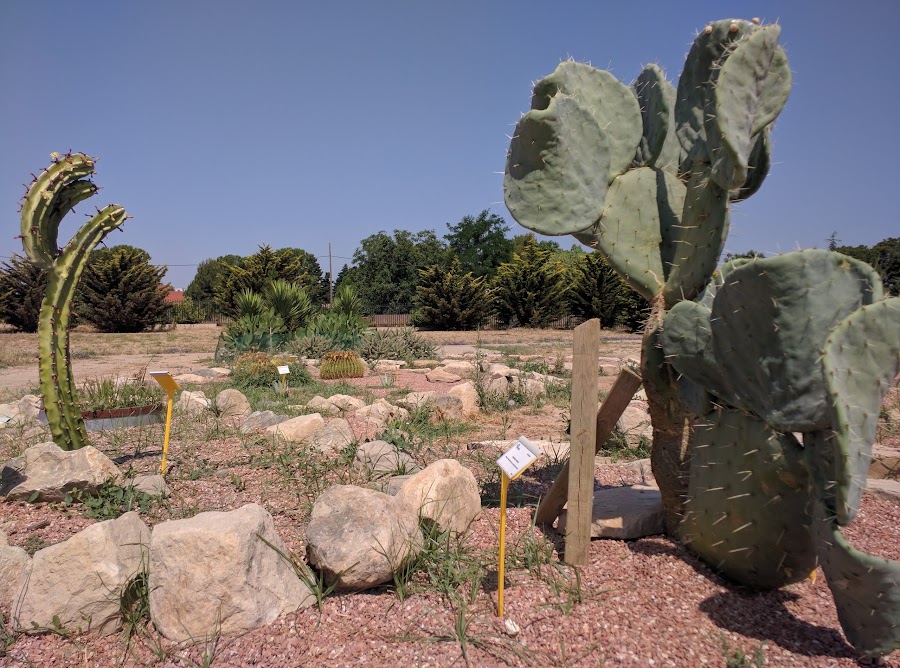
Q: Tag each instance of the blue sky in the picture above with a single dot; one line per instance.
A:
(224, 125)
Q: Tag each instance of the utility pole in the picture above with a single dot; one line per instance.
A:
(330, 279)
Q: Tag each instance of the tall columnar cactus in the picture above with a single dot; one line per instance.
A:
(50, 197)
(735, 365)
(645, 175)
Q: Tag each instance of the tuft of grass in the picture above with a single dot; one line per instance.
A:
(735, 657)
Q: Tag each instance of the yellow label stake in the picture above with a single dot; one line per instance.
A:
(167, 383)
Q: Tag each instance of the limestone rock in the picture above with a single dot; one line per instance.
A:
(635, 422)
(15, 565)
(461, 368)
(232, 403)
(447, 407)
(379, 458)
(192, 402)
(322, 405)
(885, 462)
(415, 400)
(625, 513)
(53, 472)
(382, 411)
(499, 384)
(534, 387)
(190, 378)
(359, 537)
(394, 484)
(446, 493)
(298, 428)
(469, 396)
(440, 376)
(385, 366)
(261, 420)
(333, 438)
(425, 364)
(80, 580)
(346, 403)
(154, 485)
(214, 573)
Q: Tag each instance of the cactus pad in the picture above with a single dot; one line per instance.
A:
(658, 146)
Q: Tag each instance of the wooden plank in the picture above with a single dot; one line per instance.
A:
(613, 406)
(585, 366)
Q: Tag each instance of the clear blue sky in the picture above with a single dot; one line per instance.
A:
(222, 125)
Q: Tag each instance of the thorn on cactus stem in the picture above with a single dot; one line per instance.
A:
(707, 30)
(733, 28)
(755, 20)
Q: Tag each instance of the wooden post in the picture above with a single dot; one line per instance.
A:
(613, 406)
(585, 365)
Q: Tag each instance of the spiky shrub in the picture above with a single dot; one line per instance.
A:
(22, 288)
(341, 364)
(797, 344)
(51, 195)
(446, 298)
(532, 288)
(261, 370)
(398, 344)
(598, 292)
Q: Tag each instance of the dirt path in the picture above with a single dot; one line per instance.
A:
(19, 379)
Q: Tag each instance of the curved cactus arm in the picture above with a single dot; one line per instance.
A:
(732, 101)
(556, 170)
(49, 194)
(700, 238)
(860, 362)
(770, 320)
(57, 386)
(658, 146)
(611, 103)
(747, 510)
(638, 222)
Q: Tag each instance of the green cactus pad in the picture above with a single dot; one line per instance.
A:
(556, 170)
(866, 588)
(757, 167)
(775, 92)
(769, 323)
(732, 102)
(659, 146)
(747, 512)
(860, 363)
(706, 51)
(698, 240)
(638, 222)
(612, 104)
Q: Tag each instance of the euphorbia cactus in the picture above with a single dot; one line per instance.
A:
(50, 197)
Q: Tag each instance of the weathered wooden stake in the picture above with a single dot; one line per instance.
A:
(585, 366)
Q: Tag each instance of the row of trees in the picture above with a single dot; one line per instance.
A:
(120, 291)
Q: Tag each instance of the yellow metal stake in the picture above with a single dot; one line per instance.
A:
(501, 564)
(167, 383)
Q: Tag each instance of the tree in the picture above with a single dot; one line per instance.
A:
(480, 243)
(315, 283)
(210, 277)
(888, 263)
(532, 288)
(750, 255)
(22, 287)
(386, 269)
(257, 271)
(447, 298)
(518, 243)
(120, 291)
(598, 292)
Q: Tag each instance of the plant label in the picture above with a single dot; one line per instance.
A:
(284, 369)
(166, 382)
(519, 457)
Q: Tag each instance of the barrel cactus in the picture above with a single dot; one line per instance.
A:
(51, 195)
(764, 379)
(341, 364)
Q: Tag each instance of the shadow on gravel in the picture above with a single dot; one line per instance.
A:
(760, 615)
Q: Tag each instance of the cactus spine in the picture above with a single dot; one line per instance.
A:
(50, 197)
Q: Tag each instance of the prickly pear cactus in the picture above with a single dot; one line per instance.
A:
(341, 364)
(645, 175)
(52, 194)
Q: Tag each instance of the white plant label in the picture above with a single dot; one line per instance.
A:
(284, 369)
(519, 457)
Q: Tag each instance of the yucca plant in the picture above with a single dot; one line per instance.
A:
(291, 302)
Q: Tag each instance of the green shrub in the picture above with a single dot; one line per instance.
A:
(447, 298)
(261, 370)
(398, 344)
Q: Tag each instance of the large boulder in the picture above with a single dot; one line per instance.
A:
(381, 412)
(298, 428)
(461, 368)
(77, 584)
(378, 459)
(220, 572)
(446, 493)
(193, 403)
(634, 422)
(447, 407)
(440, 376)
(232, 403)
(469, 396)
(333, 438)
(51, 472)
(20, 412)
(358, 538)
(322, 405)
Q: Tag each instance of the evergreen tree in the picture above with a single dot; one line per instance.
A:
(888, 263)
(532, 288)
(120, 291)
(210, 276)
(598, 292)
(22, 287)
(447, 298)
(257, 272)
